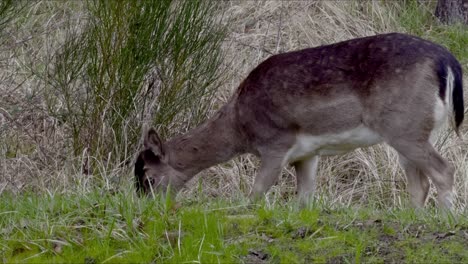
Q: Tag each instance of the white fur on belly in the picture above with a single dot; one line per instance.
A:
(332, 144)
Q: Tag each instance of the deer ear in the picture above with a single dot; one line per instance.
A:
(153, 142)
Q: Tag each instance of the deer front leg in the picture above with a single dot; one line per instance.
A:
(269, 172)
(306, 171)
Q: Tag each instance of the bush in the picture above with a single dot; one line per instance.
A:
(135, 63)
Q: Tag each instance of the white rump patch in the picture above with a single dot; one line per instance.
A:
(440, 112)
(449, 86)
(332, 144)
(442, 108)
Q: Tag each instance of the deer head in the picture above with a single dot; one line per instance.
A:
(152, 171)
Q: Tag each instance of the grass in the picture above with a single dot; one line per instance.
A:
(418, 19)
(54, 208)
(102, 227)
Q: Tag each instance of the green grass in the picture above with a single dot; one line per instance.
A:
(102, 227)
(417, 18)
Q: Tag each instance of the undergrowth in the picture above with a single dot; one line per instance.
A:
(79, 80)
(102, 227)
(134, 63)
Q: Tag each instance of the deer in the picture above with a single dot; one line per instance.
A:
(294, 107)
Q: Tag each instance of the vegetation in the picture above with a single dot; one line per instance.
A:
(79, 80)
(103, 227)
(174, 45)
(418, 20)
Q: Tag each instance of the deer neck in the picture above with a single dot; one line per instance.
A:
(215, 141)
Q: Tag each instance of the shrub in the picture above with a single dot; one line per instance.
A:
(135, 63)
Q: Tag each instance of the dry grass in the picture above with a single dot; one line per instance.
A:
(35, 154)
(33, 149)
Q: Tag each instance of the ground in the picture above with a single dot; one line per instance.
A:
(123, 228)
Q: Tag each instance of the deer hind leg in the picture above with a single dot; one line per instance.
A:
(425, 158)
(306, 171)
(418, 183)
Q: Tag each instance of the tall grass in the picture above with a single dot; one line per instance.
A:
(134, 63)
(80, 78)
(8, 8)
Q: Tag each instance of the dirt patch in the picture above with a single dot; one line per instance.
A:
(414, 230)
(256, 256)
(387, 239)
(388, 251)
(301, 232)
(368, 224)
(345, 258)
(444, 235)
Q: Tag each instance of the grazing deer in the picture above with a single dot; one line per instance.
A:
(297, 106)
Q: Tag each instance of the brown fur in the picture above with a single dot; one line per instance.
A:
(387, 83)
